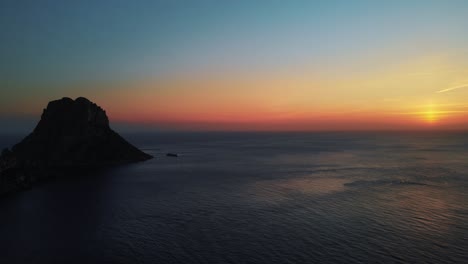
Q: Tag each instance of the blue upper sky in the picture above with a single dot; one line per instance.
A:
(51, 40)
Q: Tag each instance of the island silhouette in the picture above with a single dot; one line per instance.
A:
(71, 135)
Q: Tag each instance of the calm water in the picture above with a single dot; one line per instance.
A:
(254, 198)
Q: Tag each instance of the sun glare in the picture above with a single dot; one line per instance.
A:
(430, 116)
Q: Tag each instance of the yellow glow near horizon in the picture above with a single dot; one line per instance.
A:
(428, 114)
(431, 116)
(369, 96)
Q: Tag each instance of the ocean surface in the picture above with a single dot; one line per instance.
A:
(253, 198)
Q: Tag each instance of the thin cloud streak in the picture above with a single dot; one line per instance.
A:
(453, 88)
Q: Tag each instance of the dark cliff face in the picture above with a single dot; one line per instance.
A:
(71, 134)
(68, 117)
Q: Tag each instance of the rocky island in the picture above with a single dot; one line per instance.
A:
(71, 135)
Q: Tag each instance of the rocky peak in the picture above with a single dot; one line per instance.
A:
(71, 134)
(71, 117)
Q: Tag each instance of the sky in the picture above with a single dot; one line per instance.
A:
(239, 65)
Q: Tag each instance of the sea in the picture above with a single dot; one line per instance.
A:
(238, 197)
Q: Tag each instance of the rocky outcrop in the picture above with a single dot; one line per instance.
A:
(72, 134)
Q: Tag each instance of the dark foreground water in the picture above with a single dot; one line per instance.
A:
(254, 198)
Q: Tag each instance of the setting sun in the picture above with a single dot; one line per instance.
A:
(431, 116)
